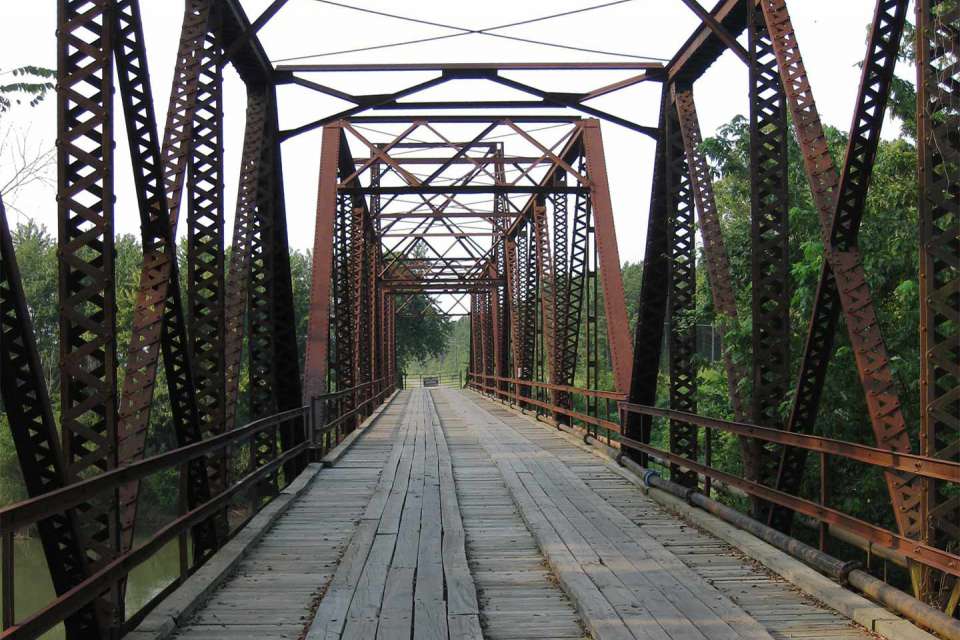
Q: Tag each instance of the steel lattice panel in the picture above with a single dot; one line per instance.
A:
(652, 306)
(939, 79)
(88, 351)
(158, 317)
(769, 249)
(682, 306)
(863, 328)
(26, 403)
(850, 204)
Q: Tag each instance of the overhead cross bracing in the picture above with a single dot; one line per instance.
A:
(446, 242)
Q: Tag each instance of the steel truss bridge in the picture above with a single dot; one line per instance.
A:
(523, 505)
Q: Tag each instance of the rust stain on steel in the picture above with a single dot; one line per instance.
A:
(873, 363)
(158, 318)
(769, 248)
(850, 203)
(318, 327)
(238, 274)
(938, 123)
(618, 330)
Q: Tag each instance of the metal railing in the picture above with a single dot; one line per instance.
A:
(884, 459)
(593, 409)
(334, 415)
(316, 434)
(521, 393)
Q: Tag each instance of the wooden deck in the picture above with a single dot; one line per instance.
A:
(454, 517)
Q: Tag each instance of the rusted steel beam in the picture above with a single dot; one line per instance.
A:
(512, 282)
(917, 551)
(527, 293)
(618, 330)
(352, 111)
(621, 84)
(33, 428)
(573, 102)
(260, 317)
(910, 463)
(727, 38)
(938, 78)
(473, 189)
(545, 278)
(769, 250)
(501, 270)
(358, 223)
(718, 264)
(652, 306)
(85, 243)
(238, 280)
(437, 160)
(681, 302)
(704, 47)
(249, 58)
(195, 115)
(288, 388)
(252, 30)
(487, 330)
(158, 317)
(849, 205)
(318, 327)
(873, 363)
(569, 255)
(462, 119)
(342, 362)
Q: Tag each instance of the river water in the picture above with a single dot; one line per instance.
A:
(33, 589)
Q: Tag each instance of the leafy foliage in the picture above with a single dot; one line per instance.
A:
(418, 338)
(30, 83)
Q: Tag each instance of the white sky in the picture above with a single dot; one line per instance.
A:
(831, 34)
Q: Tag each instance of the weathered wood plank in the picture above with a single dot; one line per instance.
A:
(678, 552)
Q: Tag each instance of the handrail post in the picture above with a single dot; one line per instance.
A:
(182, 508)
(8, 581)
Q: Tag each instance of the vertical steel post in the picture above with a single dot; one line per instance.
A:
(85, 201)
(682, 307)
(652, 307)
(769, 249)
(33, 428)
(611, 279)
(318, 326)
(843, 258)
(938, 78)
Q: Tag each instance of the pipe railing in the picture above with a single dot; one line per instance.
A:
(883, 459)
(334, 415)
(109, 577)
(519, 392)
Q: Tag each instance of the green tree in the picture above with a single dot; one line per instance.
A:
(422, 331)
(890, 253)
